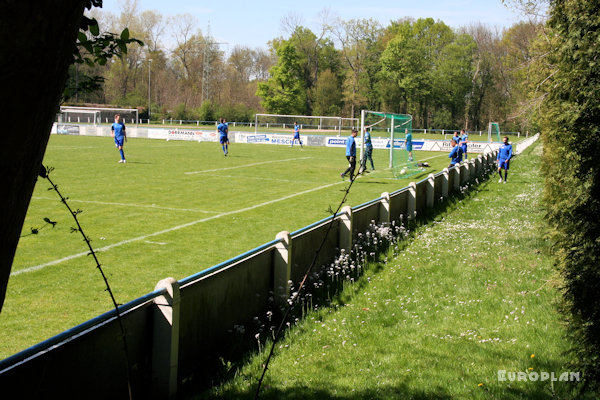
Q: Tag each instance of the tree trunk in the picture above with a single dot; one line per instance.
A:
(37, 39)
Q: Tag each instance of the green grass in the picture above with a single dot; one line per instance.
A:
(472, 293)
(161, 219)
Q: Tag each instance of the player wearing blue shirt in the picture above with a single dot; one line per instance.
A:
(464, 138)
(455, 154)
(456, 138)
(504, 155)
(368, 152)
(117, 131)
(296, 134)
(350, 155)
(223, 130)
(409, 144)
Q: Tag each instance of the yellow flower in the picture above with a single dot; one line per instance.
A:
(531, 368)
(533, 355)
(480, 385)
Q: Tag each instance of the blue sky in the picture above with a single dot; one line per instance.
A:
(254, 22)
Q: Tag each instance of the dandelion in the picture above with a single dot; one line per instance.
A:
(533, 355)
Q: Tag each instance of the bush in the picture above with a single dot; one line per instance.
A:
(572, 189)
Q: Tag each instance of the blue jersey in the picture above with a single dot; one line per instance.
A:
(119, 129)
(455, 155)
(222, 128)
(409, 141)
(456, 139)
(296, 130)
(505, 152)
(350, 146)
(368, 143)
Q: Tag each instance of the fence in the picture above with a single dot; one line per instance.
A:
(178, 332)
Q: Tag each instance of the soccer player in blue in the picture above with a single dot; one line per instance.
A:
(223, 130)
(455, 154)
(368, 152)
(296, 134)
(409, 144)
(504, 155)
(464, 138)
(456, 138)
(117, 131)
(350, 155)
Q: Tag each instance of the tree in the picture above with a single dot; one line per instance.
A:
(571, 133)
(284, 93)
(361, 49)
(327, 97)
(37, 41)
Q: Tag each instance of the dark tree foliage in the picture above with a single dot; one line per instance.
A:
(572, 192)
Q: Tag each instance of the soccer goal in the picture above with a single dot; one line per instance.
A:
(396, 128)
(280, 123)
(494, 132)
(96, 115)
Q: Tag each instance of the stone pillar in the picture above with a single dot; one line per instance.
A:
(345, 235)
(282, 268)
(411, 209)
(384, 208)
(430, 191)
(165, 342)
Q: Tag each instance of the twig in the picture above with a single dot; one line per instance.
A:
(295, 297)
(44, 173)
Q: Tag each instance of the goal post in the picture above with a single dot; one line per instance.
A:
(395, 127)
(494, 131)
(96, 115)
(314, 124)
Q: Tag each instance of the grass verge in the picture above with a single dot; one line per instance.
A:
(474, 293)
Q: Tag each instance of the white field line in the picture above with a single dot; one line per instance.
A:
(106, 203)
(245, 165)
(175, 228)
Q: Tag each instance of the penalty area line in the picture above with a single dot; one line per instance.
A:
(246, 165)
(175, 228)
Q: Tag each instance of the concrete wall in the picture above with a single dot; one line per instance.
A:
(179, 331)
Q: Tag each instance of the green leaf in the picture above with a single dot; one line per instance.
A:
(95, 29)
(125, 34)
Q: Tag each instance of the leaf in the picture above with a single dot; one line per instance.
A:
(125, 34)
(95, 28)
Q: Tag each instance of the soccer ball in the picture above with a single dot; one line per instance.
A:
(402, 171)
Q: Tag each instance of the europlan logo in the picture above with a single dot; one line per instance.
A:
(534, 376)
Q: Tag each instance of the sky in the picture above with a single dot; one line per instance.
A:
(253, 23)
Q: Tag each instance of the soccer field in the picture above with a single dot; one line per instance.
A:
(174, 209)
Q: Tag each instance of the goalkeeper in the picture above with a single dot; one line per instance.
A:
(350, 155)
(368, 153)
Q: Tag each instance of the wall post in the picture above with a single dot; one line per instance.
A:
(430, 190)
(384, 208)
(282, 268)
(445, 183)
(165, 342)
(345, 235)
(411, 209)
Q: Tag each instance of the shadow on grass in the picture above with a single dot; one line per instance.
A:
(303, 393)
(224, 364)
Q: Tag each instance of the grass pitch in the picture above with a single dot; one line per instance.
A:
(174, 209)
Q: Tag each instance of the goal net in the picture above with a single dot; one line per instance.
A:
(397, 129)
(96, 115)
(279, 123)
(494, 132)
